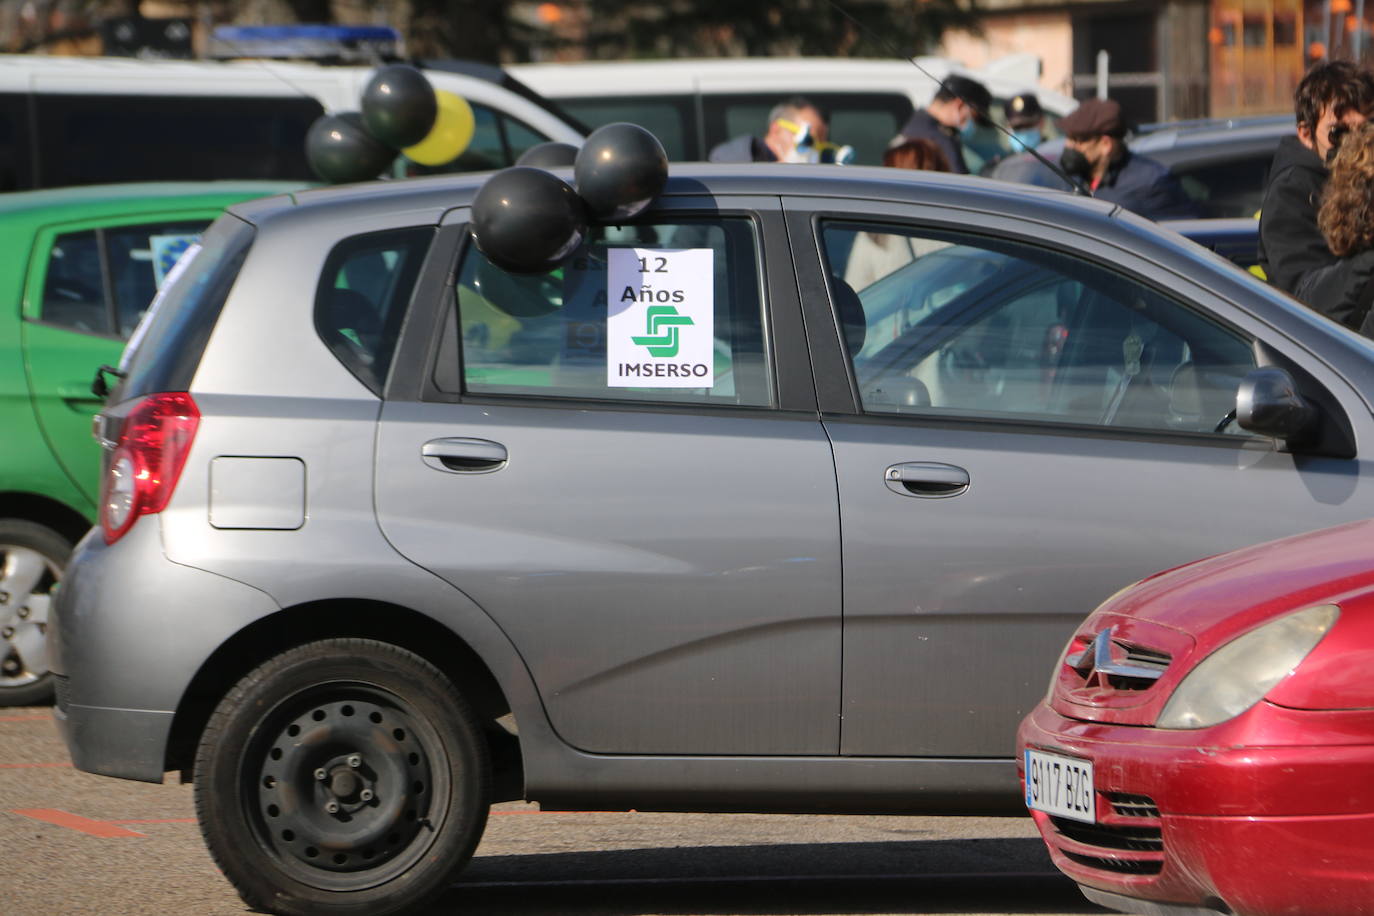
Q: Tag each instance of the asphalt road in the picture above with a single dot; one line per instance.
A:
(72, 843)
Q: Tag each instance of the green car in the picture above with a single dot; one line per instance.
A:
(80, 268)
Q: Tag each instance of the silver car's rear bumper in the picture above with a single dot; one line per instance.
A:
(128, 743)
(128, 632)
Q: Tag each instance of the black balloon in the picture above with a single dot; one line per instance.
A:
(550, 155)
(340, 149)
(619, 170)
(399, 106)
(526, 220)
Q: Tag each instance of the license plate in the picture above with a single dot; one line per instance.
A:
(1060, 785)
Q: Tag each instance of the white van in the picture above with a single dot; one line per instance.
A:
(691, 105)
(83, 120)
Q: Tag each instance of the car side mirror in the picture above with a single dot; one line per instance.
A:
(1268, 404)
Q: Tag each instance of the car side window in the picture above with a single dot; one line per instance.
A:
(519, 138)
(665, 312)
(670, 118)
(169, 138)
(15, 155)
(948, 323)
(139, 257)
(101, 281)
(362, 297)
(1227, 189)
(74, 285)
(497, 141)
(865, 121)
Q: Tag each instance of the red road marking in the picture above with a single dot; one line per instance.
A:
(27, 766)
(76, 822)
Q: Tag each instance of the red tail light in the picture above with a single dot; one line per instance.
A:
(146, 463)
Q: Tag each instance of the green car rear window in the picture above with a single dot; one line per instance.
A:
(164, 351)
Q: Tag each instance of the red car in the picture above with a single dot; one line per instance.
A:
(1207, 742)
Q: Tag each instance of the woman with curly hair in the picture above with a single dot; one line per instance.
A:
(1346, 220)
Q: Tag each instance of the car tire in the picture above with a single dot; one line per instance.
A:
(32, 560)
(345, 776)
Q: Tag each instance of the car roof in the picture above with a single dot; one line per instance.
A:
(436, 194)
(1240, 133)
(334, 87)
(103, 199)
(781, 75)
(112, 75)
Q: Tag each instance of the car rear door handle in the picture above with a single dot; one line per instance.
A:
(929, 479)
(464, 456)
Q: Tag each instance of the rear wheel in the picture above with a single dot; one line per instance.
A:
(343, 776)
(32, 558)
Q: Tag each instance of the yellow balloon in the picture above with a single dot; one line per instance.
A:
(450, 135)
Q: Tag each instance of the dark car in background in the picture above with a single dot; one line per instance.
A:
(1236, 238)
(1222, 165)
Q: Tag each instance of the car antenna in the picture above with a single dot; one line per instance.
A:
(983, 115)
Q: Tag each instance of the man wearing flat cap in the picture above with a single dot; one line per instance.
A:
(1095, 152)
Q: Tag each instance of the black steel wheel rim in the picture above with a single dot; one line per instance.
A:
(345, 786)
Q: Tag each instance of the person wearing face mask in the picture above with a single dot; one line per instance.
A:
(1095, 152)
(796, 129)
(984, 145)
(949, 117)
(1331, 98)
(1026, 118)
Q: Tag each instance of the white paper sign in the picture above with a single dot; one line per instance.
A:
(165, 251)
(660, 321)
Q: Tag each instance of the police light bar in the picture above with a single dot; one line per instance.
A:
(363, 43)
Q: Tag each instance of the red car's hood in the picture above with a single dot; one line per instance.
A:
(1169, 622)
(1220, 596)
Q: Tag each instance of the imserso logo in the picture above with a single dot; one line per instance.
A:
(662, 340)
(660, 320)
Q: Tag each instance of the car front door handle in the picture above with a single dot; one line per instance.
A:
(929, 479)
(464, 456)
(77, 393)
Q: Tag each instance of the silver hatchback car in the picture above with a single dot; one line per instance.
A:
(782, 496)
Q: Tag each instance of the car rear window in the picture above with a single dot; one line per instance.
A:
(361, 300)
(165, 349)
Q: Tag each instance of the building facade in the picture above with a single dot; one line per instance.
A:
(1174, 59)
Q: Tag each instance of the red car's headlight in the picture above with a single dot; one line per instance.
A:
(1238, 675)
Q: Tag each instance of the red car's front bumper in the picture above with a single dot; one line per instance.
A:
(1259, 831)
